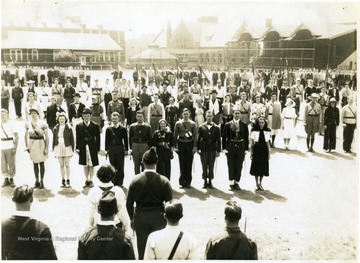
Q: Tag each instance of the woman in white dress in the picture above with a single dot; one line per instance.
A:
(288, 117)
(199, 113)
(63, 147)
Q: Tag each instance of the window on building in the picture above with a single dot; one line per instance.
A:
(214, 60)
(207, 60)
(16, 54)
(34, 54)
(220, 55)
(242, 60)
(220, 60)
(233, 60)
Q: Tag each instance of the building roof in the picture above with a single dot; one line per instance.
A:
(256, 32)
(58, 40)
(161, 39)
(154, 53)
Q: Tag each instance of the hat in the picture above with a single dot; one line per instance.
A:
(144, 87)
(183, 80)
(33, 110)
(150, 157)
(77, 94)
(298, 79)
(332, 100)
(107, 204)
(86, 111)
(213, 92)
(315, 95)
(165, 82)
(289, 100)
(236, 107)
(258, 96)
(227, 95)
(56, 79)
(81, 76)
(30, 82)
(31, 93)
(186, 92)
(195, 78)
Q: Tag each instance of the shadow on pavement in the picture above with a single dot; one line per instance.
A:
(193, 192)
(69, 192)
(7, 191)
(248, 195)
(219, 194)
(345, 156)
(85, 191)
(325, 155)
(271, 196)
(176, 194)
(43, 194)
(290, 151)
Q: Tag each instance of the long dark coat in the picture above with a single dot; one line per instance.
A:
(93, 133)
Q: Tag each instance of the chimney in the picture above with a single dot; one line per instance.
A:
(168, 33)
(268, 22)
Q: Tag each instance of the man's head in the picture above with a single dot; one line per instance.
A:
(209, 116)
(76, 97)
(4, 115)
(243, 96)
(86, 114)
(186, 95)
(23, 197)
(115, 117)
(171, 100)
(107, 207)
(114, 95)
(314, 97)
(236, 112)
(232, 212)
(173, 212)
(31, 96)
(140, 116)
(186, 114)
(213, 94)
(273, 97)
(332, 102)
(106, 173)
(150, 158)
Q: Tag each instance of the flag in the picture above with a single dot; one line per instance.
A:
(326, 75)
(255, 72)
(178, 70)
(202, 73)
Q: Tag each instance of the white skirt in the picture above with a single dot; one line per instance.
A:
(61, 151)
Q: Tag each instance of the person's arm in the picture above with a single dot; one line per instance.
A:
(81, 250)
(209, 252)
(16, 141)
(125, 140)
(46, 246)
(46, 134)
(149, 253)
(162, 111)
(130, 203)
(195, 134)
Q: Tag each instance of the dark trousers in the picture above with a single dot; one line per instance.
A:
(348, 136)
(116, 158)
(164, 162)
(68, 103)
(147, 221)
(207, 162)
(5, 104)
(185, 160)
(125, 101)
(107, 99)
(235, 159)
(330, 137)
(17, 104)
(138, 150)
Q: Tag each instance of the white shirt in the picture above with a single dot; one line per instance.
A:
(10, 130)
(160, 243)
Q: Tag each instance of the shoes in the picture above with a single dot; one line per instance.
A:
(37, 184)
(67, 184)
(86, 184)
(41, 185)
(91, 184)
(261, 188)
(6, 182)
(312, 150)
(232, 187)
(237, 187)
(12, 184)
(188, 186)
(348, 151)
(210, 185)
(205, 185)
(63, 185)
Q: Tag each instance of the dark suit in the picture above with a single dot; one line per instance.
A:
(51, 115)
(33, 243)
(75, 113)
(88, 135)
(171, 115)
(187, 104)
(334, 93)
(116, 143)
(163, 141)
(235, 143)
(209, 143)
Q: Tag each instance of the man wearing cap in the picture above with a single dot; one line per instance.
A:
(299, 89)
(125, 93)
(139, 140)
(171, 113)
(185, 136)
(245, 109)
(22, 237)
(57, 91)
(231, 243)
(185, 102)
(195, 90)
(5, 96)
(312, 119)
(214, 104)
(348, 116)
(209, 147)
(44, 92)
(105, 241)
(227, 110)
(331, 122)
(116, 147)
(116, 105)
(156, 112)
(160, 244)
(273, 116)
(149, 190)
(17, 95)
(69, 92)
(145, 100)
(75, 112)
(333, 92)
(52, 110)
(244, 87)
(165, 93)
(83, 89)
(32, 104)
(88, 145)
(107, 94)
(9, 143)
(235, 142)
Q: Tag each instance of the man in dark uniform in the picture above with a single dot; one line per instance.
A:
(209, 147)
(22, 237)
(231, 243)
(107, 95)
(187, 103)
(149, 190)
(139, 139)
(171, 113)
(116, 105)
(116, 146)
(17, 95)
(235, 142)
(185, 140)
(105, 240)
(331, 122)
(88, 145)
(69, 92)
(51, 113)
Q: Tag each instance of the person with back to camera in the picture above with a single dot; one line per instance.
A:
(105, 174)
(231, 243)
(260, 151)
(24, 238)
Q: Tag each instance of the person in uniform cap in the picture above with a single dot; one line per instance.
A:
(9, 143)
(245, 108)
(231, 243)
(214, 105)
(75, 112)
(83, 89)
(185, 138)
(227, 110)
(24, 238)
(235, 142)
(161, 244)
(105, 240)
(88, 145)
(348, 116)
(149, 190)
(116, 105)
(156, 112)
(17, 94)
(52, 112)
(185, 102)
(331, 122)
(145, 100)
(172, 113)
(57, 90)
(32, 104)
(209, 147)
(312, 120)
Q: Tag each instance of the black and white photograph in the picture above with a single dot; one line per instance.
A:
(179, 130)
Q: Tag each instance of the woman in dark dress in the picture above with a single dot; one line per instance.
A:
(260, 151)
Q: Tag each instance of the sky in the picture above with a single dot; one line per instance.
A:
(149, 17)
